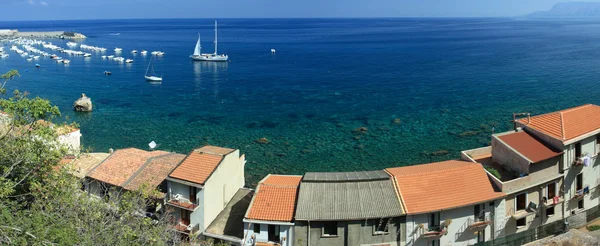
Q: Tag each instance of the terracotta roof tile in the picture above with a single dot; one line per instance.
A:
(200, 164)
(566, 124)
(528, 146)
(275, 198)
(442, 185)
(154, 172)
(121, 165)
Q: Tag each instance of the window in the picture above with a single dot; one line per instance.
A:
(273, 233)
(435, 242)
(381, 226)
(330, 229)
(579, 181)
(551, 191)
(577, 150)
(257, 228)
(521, 202)
(550, 211)
(521, 222)
(580, 204)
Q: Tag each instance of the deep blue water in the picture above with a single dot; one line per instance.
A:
(449, 81)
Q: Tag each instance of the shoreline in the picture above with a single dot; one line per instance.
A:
(5, 33)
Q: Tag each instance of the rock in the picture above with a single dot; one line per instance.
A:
(439, 153)
(361, 129)
(397, 121)
(83, 104)
(263, 141)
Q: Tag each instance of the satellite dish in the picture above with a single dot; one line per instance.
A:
(152, 145)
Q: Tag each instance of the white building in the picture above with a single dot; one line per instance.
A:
(270, 216)
(446, 203)
(202, 185)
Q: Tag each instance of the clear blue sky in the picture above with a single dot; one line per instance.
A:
(123, 9)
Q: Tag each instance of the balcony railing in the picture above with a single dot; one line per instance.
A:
(577, 162)
(553, 201)
(434, 232)
(480, 223)
(581, 193)
(180, 202)
(186, 228)
(519, 214)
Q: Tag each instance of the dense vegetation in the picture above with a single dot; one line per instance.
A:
(41, 204)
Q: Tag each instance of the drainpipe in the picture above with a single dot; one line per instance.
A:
(308, 234)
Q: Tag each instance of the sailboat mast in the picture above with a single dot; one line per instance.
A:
(149, 65)
(215, 37)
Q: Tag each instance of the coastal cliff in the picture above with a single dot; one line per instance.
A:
(570, 10)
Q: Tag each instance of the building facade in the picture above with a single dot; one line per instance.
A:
(351, 208)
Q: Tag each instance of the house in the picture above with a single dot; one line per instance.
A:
(348, 208)
(529, 172)
(228, 227)
(131, 169)
(575, 132)
(446, 203)
(270, 216)
(202, 185)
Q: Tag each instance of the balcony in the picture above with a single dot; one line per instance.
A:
(581, 193)
(178, 201)
(184, 226)
(577, 162)
(434, 232)
(480, 223)
(553, 202)
(522, 214)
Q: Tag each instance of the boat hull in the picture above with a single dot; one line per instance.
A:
(153, 78)
(210, 57)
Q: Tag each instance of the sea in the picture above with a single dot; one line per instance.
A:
(338, 94)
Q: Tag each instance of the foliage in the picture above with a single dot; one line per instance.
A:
(593, 227)
(493, 171)
(42, 204)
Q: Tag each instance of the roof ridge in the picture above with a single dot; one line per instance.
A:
(576, 108)
(562, 126)
(280, 186)
(398, 192)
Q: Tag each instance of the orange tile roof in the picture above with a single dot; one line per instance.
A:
(154, 172)
(566, 124)
(121, 165)
(442, 185)
(528, 146)
(275, 198)
(200, 164)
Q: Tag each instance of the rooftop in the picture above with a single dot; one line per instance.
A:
(528, 146)
(121, 165)
(229, 223)
(275, 198)
(85, 162)
(566, 124)
(200, 164)
(370, 197)
(442, 185)
(154, 171)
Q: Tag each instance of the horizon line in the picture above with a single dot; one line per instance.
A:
(242, 18)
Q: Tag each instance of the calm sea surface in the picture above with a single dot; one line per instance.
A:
(424, 89)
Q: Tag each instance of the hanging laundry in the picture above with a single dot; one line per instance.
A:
(586, 161)
(555, 200)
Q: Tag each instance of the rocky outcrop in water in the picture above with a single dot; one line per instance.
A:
(83, 104)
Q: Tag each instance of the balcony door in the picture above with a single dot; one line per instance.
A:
(193, 192)
(273, 231)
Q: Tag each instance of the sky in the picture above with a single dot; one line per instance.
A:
(11, 10)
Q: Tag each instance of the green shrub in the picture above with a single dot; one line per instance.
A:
(493, 171)
(593, 227)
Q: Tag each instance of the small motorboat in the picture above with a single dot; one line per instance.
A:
(107, 73)
(144, 52)
(134, 52)
(103, 57)
(87, 55)
(128, 61)
(37, 65)
(29, 59)
(65, 61)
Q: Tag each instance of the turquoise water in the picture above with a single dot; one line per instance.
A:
(424, 89)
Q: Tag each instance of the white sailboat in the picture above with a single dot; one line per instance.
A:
(151, 77)
(198, 56)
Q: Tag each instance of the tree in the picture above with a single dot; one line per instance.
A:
(41, 204)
